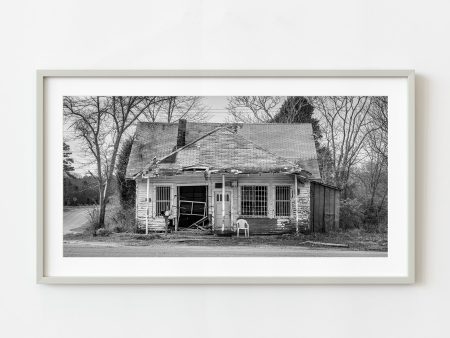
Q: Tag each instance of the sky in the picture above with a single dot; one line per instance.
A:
(217, 108)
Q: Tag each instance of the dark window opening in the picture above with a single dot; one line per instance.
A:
(193, 205)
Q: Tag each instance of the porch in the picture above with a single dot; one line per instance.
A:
(271, 203)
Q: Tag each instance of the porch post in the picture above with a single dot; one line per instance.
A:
(176, 220)
(148, 205)
(223, 202)
(296, 202)
(211, 202)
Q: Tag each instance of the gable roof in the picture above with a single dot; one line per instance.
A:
(268, 146)
(223, 149)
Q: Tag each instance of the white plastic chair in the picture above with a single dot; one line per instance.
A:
(242, 224)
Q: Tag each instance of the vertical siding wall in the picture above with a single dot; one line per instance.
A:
(259, 224)
(324, 207)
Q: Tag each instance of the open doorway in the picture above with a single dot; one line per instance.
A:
(192, 206)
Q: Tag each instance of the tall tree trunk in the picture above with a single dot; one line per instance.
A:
(104, 191)
(102, 207)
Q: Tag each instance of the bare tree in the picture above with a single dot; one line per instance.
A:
(347, 123)
(379, 115)
(373, 174)
(101, 122)
(173, 108)
(154, 112)
(253, 108)
(371, 186)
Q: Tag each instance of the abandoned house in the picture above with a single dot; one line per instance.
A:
(208, 175)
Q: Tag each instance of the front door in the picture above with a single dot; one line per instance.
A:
(220, 218)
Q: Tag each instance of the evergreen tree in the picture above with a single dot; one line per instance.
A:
(297, 109)
(67, 169)
(67, 159)
(125, 187)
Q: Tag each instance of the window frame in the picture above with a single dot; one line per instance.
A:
(266, 200)
(159, 202)
(287, 201)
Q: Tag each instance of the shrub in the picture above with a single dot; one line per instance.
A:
(118, 229)
(93, 220)
(102, 232)
(351, 215)
(122, 220)
(375, 219)
(371, 219)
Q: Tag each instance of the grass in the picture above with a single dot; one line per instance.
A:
(355, 239)
(128, 239)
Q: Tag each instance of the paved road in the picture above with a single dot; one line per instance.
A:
(89, 249)
(75, 217)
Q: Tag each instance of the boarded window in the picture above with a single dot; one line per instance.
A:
(282, 201)
(162, 200)
(254, 201)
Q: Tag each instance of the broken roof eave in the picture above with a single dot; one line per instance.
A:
(174, 152)
(201, 170)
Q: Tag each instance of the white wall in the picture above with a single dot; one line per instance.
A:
(223, 34)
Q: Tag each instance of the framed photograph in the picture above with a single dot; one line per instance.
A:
(225, 176)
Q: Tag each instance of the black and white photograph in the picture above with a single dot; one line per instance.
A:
(225, 176)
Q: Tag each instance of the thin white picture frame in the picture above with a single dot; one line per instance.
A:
(43, 277)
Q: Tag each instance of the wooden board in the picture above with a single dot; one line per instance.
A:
(324, 207)
(327, 216)
(321, 213)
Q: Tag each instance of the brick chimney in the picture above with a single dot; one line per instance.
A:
(181, 137)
